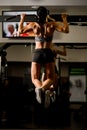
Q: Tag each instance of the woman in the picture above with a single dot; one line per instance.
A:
(43, 54)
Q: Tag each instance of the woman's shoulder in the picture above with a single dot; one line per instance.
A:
(52, 23)
(32, 23)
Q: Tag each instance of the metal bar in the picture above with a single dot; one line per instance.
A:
(33, 18)
(16, 18)
(71, 18)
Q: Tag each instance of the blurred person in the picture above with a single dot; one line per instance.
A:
(12, 30)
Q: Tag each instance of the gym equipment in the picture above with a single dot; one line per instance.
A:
(16, 18)
(33, 18)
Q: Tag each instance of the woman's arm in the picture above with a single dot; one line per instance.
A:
(28, 27)
(62, 26)
(65, 23)
(48, 18)
(21, 27)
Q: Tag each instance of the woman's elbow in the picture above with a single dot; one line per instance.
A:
(66, 30)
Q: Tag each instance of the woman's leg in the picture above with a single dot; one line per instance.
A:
(50, 72)
(35, 74)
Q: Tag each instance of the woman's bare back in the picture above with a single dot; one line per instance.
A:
(44, 32)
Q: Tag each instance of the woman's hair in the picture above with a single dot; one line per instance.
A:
(42, 13)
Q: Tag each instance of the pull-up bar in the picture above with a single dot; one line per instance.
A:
(33, 18)
(16, 18)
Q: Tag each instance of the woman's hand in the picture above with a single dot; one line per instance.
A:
(64, 17)
(23, 16)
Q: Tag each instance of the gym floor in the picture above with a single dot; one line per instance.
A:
(20, 110)
(75, 121)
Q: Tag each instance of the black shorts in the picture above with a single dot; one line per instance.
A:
(43, 56)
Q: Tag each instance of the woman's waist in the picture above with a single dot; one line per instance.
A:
(43, 39)
(42, 53)
(43, 50)
(44, 45)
